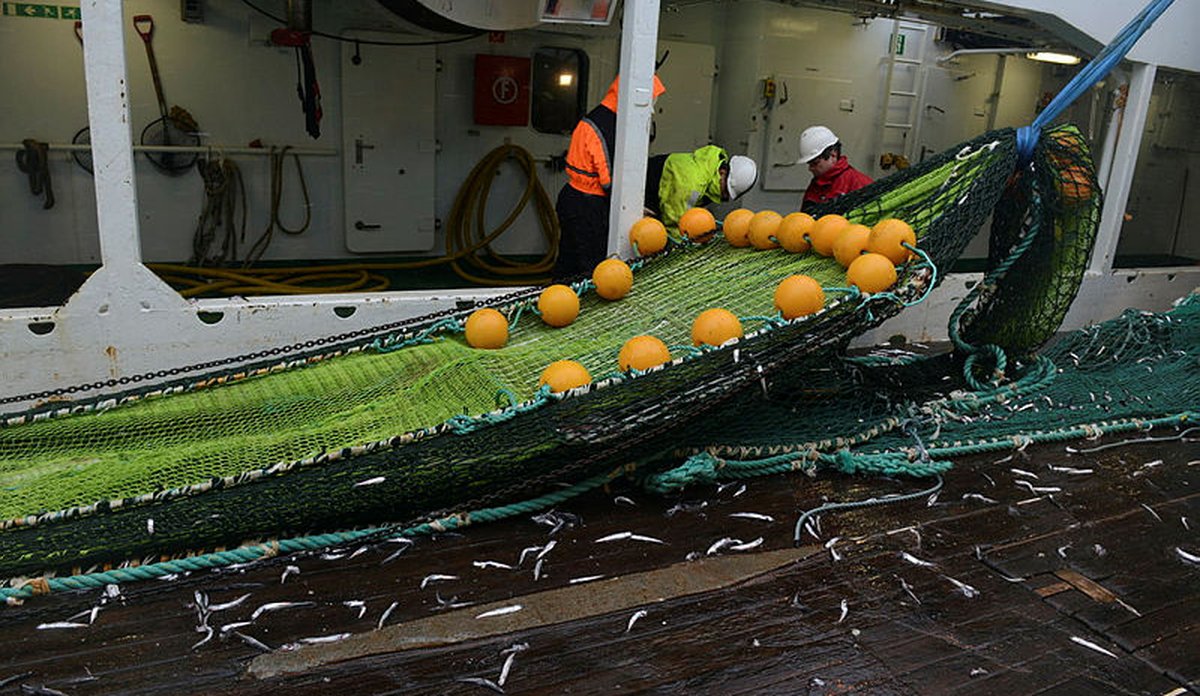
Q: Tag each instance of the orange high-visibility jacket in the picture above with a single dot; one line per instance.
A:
(589, 157)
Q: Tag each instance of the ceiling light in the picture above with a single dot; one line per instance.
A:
(1052, 57)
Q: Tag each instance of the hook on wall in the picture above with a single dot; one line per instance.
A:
(357, 57)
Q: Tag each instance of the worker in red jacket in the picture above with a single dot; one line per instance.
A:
(583, 202)
(832, 174)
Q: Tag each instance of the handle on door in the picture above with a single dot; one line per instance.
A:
(359, 146)
(360, 225)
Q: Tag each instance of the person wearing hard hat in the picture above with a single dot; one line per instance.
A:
(683, 180)
(832, 174)
(583, 202)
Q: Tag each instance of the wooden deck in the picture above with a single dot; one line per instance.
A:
(1080, 591)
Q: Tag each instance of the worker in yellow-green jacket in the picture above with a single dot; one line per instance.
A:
(683, 180)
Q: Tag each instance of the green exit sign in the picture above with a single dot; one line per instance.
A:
(898, 49)
(39, 11)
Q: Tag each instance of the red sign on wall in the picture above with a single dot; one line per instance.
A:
(501, 90)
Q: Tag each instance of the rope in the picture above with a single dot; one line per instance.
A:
(33, 160)
(264, 240)
(224, 191)
(247, 554)
(1095, 71)
(869, 502)
(466, 238)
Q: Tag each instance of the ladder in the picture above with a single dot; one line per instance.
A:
(900, 131)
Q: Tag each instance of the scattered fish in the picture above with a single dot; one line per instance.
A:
(1099, 550)
(41, 690)
(978, 671)
(640, 613)
(406, 545)
(741, 489)
(614, 537)
(967, 591)
(1188, 557)
(60, 624)
(1037, 489)
(747, 546)
(845, 611)
(290, 570)
(150, 526)
(722, 544)
(276, 606)
(208, 636)
(253, 642)
(832, 551)
(752, 516)
(1062, 550)
(546, 549)
(358, 604)
(316, 640)
(491, 564)
(436, 577)
(981, 498)
(646, 539)
(1152, 512)
(908, 589)
(990, 480)
(1070, 470)
(586, 578)
(230, 604)
(482, 681)
(622, 500)
(537, 569)
(451, 603)
(508, 662)
(525, 552)
(501, 611)
(386, 613)
(1184, 522)
(916, 561)
(370, 481)
(1093, 646)
(234, 626)
(1023, 472)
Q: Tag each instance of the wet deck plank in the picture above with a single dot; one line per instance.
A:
(777, 634)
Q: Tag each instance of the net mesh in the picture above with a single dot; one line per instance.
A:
(280, 448)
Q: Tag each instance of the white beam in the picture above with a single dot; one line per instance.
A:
(635, 102)
(1124, 160)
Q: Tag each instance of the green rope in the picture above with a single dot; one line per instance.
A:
(869, 502)
(247, 554)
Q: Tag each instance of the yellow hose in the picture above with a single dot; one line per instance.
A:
(468, 248)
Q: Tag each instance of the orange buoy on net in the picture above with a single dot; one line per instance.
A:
(648, 235)
(558, 305)
(562, 375)
(642, 353)
(763, 227)
(698, 225)
(872, 273)
(851, 244)
(737, 227)
(889, 236)
(799, 295)
(793, 232)
(487, 328)
(715, 326)
(825, 232)
(1074, 185)
(613, 279)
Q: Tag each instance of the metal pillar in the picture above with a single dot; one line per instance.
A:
(635, 98)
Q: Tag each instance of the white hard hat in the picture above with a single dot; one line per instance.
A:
(813, 142)
(743, 173)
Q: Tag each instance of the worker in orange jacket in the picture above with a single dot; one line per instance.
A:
(583, 202)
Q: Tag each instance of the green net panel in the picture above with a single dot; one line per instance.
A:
(286, 446)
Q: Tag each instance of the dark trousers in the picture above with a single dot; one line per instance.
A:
(583, 220)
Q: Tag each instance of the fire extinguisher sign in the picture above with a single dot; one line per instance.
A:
(501, 90)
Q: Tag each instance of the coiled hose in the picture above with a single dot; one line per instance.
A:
(468, 248)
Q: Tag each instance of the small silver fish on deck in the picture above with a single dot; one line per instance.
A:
(252, 641)
(1152, 512)
(908, 589)
(646, 539)
(916, 561)
(546, 549)
(747, 545)
(482, 681)
(358, 604)
(640, 613)
(1187, 557)
(832, 551)
(537, 569)
(290, 570)
(585, 578)
(234, 626)
(845, 610)
(276, 606)
(230, 604)
(1023, 472)
(613, 537)
(1089, 644)
(1037, 490)
(60, 624)
(966, 590)
(491, 564)
(501, 611)
(370, 481)
(1070, 470)
(386, 613)
(436, 577)
(752, 516)
(316, 640)
(981, 498)
(622, 500)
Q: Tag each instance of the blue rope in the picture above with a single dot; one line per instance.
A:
(1095, 71)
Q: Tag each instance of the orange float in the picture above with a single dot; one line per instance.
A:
(487, 328)
(798, 296)
(715, 326)
(737, 227)
(558, 305)
(613, 279)
(642, 353)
